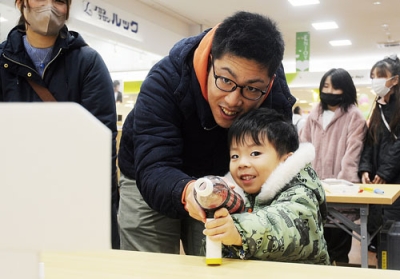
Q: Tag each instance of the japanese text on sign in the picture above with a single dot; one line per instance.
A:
(113, 19)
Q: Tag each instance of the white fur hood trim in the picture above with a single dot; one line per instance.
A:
(283, 174)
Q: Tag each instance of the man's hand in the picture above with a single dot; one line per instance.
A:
(191, 206)
(223, 229)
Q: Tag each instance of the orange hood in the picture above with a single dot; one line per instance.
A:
(200, 60)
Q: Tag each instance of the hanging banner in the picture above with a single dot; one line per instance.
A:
(302, 51)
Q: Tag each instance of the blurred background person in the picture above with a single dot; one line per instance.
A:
(337, 129)
(117, 93)
(298, 118)
(380, 157)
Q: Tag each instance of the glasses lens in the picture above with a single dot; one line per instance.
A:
(251, 93)
(225, 84)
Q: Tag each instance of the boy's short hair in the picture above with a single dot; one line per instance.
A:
(265, 123)
(251, 36)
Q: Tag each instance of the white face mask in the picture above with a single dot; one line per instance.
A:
(379, 86)
(45, 20)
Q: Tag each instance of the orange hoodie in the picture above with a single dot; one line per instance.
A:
(201, 58)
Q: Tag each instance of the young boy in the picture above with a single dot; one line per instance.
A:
(285, 202)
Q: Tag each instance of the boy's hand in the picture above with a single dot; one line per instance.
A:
(223, 229)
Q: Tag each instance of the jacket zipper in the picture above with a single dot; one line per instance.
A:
(252, 201)
(23, 65)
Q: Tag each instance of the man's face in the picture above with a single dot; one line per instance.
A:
(227, 106)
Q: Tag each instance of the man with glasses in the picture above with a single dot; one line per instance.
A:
(177, 131)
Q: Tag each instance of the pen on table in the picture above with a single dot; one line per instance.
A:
(379, 191)
(368, 189)
(372, 190)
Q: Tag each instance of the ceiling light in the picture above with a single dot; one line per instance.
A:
(325, 25)
(2, 19)
(303, 2)
(340, 43)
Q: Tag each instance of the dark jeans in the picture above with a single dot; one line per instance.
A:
(115, 241)
(375, 221)
(339, 244)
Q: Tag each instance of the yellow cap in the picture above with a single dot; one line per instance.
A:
(213, 261)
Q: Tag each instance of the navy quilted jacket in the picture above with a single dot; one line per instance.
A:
(170, 137)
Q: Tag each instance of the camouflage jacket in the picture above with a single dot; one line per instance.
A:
(285, 221)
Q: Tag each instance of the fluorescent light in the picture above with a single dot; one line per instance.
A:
(2, 19)
(340, 43)
(325, 25)
(303, 2)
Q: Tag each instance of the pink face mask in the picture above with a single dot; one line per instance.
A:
(45, 20)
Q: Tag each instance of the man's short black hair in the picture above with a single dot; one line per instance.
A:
(116, 83)
(251, 36)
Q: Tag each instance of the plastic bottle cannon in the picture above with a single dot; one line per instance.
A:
(212, 193)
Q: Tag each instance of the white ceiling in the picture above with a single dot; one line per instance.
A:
(360, 21)
(363, 22)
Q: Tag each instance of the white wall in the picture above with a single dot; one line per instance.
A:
(157, 32)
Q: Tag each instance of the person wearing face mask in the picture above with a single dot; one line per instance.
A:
(336, 128)
(380, 157)
(41, 52)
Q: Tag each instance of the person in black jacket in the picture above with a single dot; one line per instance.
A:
(42, 50)
(379, 162)
(117, 93)
(177, 131)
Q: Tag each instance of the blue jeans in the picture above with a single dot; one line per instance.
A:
(144, 229)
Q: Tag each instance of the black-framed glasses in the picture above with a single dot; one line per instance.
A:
(248, 92)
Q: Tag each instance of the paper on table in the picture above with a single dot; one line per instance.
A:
(339, 186)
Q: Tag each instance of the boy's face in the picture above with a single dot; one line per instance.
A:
(227, 106)
(251, 164)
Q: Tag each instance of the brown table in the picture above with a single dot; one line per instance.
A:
(117, 264)
(362, 202)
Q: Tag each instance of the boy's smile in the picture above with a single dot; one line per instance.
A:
(251, 164)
